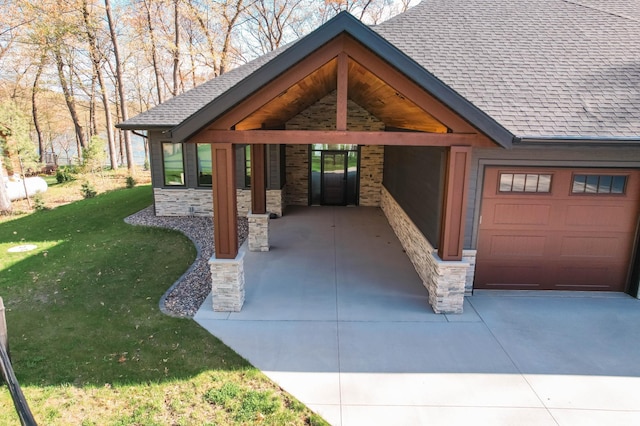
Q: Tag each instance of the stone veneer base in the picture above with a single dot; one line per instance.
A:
(227, 282)
(258, 232)
(199, 202)
(444, 280)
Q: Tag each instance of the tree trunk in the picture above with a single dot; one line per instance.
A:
(95, 59)
(226, 45)
(120, 85)
(93, 120)
(154, 59)
(34, 109)
(176, 48)
(70, 100)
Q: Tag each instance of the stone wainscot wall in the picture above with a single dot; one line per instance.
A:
(446, 281)
(199, 202)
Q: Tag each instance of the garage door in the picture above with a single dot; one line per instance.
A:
(557, 229)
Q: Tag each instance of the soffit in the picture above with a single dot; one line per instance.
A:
(384, 102)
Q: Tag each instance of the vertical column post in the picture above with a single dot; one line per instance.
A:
(342, 91)
(258, 217)
(227, 265)
(455, 203)
(258, 180)
(225, 210)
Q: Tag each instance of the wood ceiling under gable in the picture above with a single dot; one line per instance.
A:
(379, 98)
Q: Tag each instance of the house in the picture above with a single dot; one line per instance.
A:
(501, 138)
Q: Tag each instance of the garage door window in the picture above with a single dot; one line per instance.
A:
(525, 182)
(598, 184)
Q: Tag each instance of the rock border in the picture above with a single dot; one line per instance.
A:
(187, 293)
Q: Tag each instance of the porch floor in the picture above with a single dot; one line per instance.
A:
(337, 316)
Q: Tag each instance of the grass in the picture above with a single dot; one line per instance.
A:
(88, 342)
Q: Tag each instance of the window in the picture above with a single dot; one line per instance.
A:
(173, 163)
(205, 170)
(598, 184)
(525, 182)
(247, 166)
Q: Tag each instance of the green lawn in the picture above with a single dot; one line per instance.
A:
(88, 342)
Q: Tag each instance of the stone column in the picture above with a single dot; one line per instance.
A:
(258, 232)
(227, 283)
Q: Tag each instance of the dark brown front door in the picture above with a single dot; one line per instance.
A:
(557, 229)
(333, 183)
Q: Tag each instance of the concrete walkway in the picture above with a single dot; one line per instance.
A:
(336, 315)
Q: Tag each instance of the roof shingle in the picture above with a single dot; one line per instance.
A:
(540, 68)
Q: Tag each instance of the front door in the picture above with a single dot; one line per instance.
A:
(333, 178)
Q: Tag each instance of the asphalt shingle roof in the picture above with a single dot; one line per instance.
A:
(540, 68)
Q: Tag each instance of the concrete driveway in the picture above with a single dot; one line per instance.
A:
(336, 315)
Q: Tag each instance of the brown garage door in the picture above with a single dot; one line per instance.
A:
(557, 229)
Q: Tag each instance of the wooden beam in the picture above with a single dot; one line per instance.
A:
(305, 137)
(342, 91)
(455, 203)
(225, 211)
(258, 180)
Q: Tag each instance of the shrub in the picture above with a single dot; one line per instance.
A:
(94, 155)
(64, 174)
(38, 202)
(88, 191)
(131, 182)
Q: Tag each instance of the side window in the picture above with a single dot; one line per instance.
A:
(247, 166)
(525, 182)
(598, 184)
(205, 169)
(173, 164)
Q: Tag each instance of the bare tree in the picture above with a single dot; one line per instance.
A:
(96, 60)
(69, 97)
(368, 11)
(34, 106)
(231, 13)
(275, 22)
(120, 84)
(176, 46)
(153, 47)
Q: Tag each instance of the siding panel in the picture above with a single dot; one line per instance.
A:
(414, 176)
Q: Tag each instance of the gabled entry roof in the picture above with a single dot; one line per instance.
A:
(188, 113)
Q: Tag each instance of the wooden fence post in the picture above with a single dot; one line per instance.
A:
(4, 338)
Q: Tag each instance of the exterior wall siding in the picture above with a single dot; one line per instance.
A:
(191, 200)
(414, 176)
